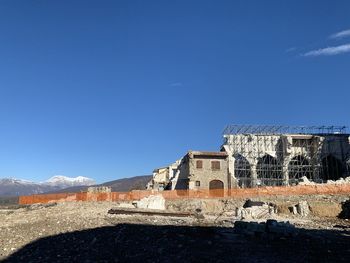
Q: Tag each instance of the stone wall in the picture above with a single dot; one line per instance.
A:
(203, 176)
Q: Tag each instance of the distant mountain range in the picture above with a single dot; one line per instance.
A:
(61, 184)
(120, 185)
(15, 187)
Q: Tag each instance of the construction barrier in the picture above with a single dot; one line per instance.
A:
(236, 193)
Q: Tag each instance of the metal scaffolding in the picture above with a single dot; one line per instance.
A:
(281, 155)
(282, 129)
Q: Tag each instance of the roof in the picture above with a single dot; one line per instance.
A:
(207, 154)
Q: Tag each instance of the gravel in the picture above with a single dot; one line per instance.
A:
(85, 232)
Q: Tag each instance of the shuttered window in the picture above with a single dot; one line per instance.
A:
(215, 165)
(199, 164)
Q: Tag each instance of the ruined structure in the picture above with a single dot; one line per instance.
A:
(162, 176)
(208, 170)
(262, 156)
(281, 155)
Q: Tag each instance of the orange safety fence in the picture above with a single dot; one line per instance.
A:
(235, 193)
(47, 198)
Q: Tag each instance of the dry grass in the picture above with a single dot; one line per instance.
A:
(325, 209)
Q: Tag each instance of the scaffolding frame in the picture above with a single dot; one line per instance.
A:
(274, 155)
(282, 129)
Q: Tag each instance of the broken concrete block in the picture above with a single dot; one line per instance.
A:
(255, 210)
(303, 208)
(152, 202)
(305, 181)
(251, 203)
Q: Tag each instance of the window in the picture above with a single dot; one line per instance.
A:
(215, 165)
(198, 183)
(199, 164)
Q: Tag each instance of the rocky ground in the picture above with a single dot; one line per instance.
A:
(85, 232)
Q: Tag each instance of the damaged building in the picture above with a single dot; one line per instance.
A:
(260, 155)
(195, 170)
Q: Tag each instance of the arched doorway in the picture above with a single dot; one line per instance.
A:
(242, 171)
(216, 184)
(269, 171)
(298, 167)
(216, 188)
(332, 168)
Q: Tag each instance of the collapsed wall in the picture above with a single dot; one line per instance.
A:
(325, 205)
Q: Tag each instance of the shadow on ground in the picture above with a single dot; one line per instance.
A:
(148, 243)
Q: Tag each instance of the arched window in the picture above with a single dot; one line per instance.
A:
(298, 167)
(242, 171)
(332, 168)
(269, 171)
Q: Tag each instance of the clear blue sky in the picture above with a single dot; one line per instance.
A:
(111, 89)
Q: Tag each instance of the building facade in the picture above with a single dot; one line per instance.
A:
(196, 170)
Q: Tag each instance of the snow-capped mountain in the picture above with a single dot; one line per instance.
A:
(61, 181)
(15, 187)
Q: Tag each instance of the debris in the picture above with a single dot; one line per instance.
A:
(84, 231)
(271, 226)
(345, 213)
(280, 228)
(151, 202)
(340, 181)
(255, 210)
(250, 203)
(99, 189)
(303, 208)
(149, 212)
(305, 181)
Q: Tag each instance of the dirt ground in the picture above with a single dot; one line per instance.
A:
(85, 232)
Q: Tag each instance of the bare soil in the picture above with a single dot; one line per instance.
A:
(85, 232)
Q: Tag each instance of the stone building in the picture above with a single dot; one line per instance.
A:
(208, 170)
(254, 156)
(196, 170)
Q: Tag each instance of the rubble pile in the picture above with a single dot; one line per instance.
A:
(271, 226)
(345, 180)
(255, 210)
(305, 181)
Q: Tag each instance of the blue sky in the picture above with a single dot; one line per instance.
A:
(112, 89)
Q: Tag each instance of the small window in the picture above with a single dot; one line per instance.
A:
(215, 165)
(199, 164)
(198, 183)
